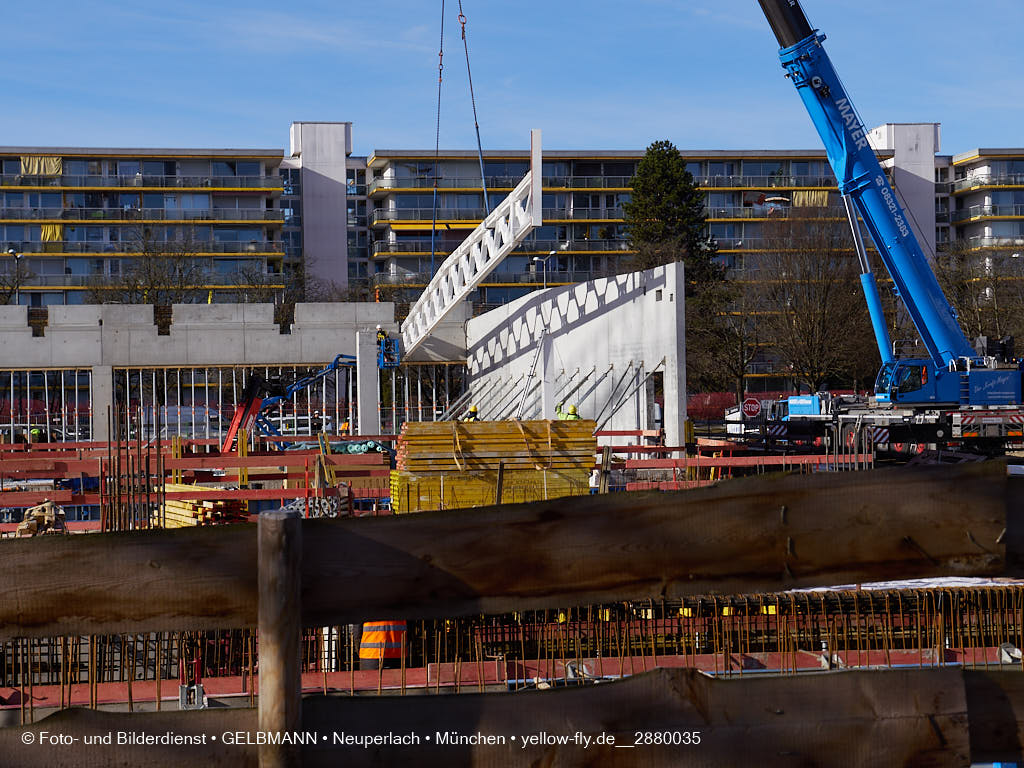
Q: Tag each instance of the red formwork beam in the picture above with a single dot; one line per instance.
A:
(44, 468)
(751, 462)
(66, 497)
(199, 442)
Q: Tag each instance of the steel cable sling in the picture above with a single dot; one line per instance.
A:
(437, 133)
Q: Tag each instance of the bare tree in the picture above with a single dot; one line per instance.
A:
(14, 274)
(164, 269)
(255, 285)
(724, 336)
(986, 289)
(815, 315)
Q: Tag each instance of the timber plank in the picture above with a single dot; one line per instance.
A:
(762, 534)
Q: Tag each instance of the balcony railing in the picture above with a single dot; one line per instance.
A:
(765, 211)
(989, 180)
(143, 214)
(80, 281)
(996, 242)
(386, 215)
(499, 183)
(765, 182)
(980, 211)
(382, 248)
(130, 248)
(142, 180)
(744, 243)
(413, 279)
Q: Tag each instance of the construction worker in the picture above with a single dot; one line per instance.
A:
(380, 646)
(472, 415)
(387, 350)
(35, 435)
(345, 428)
(567, 415)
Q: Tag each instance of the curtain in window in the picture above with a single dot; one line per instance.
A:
(807, 198)
(36, 165)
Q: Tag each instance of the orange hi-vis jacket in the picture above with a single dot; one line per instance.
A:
(382, 640)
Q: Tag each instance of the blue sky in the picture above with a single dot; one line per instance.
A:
(592, 74)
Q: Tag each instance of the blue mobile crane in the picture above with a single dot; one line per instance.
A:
(955, 378)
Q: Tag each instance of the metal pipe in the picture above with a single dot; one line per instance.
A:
(626, 397)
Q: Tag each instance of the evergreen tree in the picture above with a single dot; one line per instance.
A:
(665, 219)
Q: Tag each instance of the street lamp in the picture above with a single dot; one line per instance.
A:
(543, 260)
(17, 274)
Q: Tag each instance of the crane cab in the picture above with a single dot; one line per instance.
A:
(918, 382)
(910, 382)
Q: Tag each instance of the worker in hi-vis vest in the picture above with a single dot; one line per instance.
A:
(381, 644)
(569, 414)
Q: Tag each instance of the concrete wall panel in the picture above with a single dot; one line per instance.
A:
(604, 335)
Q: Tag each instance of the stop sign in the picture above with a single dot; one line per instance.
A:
(751, 407)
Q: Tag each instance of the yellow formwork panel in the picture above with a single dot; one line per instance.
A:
(413, 492)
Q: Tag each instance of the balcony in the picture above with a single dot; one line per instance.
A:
(83, 281)
(988, 180)
(385, 215)
(476, 215)
(140, 181)
(765, 211)
(130, 248)
(987, 211)
(87, 215)
(383, 249)
(996, 242)
(774, 181)
(745, 243)
(420, 279)
(498, 183)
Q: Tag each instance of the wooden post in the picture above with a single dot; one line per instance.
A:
(606, 468)
(280, 569)
(499, 483)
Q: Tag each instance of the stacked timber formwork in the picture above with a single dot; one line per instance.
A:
(183, 513)
(446, 465)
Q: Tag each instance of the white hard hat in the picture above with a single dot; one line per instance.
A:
(378, 327)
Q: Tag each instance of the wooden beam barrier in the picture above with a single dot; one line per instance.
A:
(941, 718)
(761, 534)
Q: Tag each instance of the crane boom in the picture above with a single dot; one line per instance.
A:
(860, 176)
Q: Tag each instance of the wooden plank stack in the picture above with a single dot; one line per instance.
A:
(447, 465)
(185, 513)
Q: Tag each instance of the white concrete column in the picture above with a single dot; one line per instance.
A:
(367, 384)
(548, 374)
(102, 397)
(675, 362)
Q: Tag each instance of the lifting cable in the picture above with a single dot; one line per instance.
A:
(472, 99)
(437, 142)
(437, 135)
